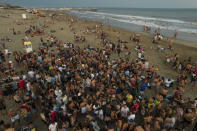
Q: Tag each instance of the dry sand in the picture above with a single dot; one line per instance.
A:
(12, 19)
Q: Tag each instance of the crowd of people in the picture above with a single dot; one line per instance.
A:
(75, 88)
(185, 67)
(35, 30)
(79, 39)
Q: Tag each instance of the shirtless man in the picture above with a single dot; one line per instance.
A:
(175, 33)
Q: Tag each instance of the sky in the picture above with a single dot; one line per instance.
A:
(107, 3)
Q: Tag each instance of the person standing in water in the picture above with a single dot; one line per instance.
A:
(175, 33)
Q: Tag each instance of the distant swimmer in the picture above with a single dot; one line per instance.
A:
(175, 33)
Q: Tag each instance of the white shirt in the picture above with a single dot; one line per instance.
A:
(66, 46)
(58, 93)
(63, 107)
(59, 100)
(53, 127)
(16, 78)
(88, 82)
(26, 38)
(168, 60)
(24, 77)
(37, 76)
(31, 74)
(195, 104)
(28, 88)
(95, 126)
(139, 55)
(6, 51)
(101, 114)
(146, 65)
(92, 76)
(83, 109)
(172, 123)
(60, 69)
(131, 117)
(124, 111)
(168, 82)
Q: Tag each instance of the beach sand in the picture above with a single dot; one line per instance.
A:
(12, 18)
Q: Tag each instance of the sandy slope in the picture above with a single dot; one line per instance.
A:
(10, 18)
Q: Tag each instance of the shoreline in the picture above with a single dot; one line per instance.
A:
(176, 41)
(130, 24)
(183, 42)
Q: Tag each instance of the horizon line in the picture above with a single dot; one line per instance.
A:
(12, 4)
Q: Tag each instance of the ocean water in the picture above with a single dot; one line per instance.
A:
(168, 20)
